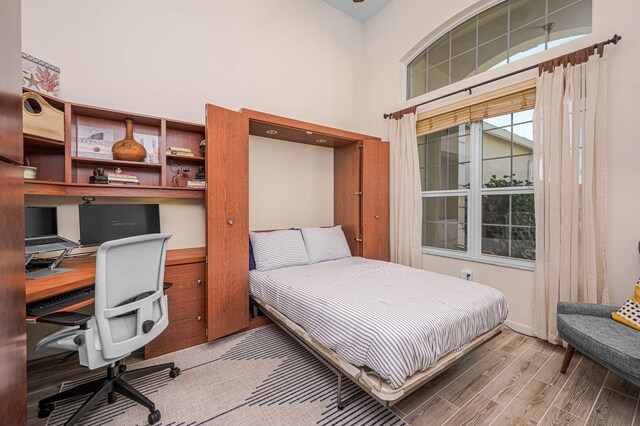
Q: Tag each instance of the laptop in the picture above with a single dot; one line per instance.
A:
(41, 231)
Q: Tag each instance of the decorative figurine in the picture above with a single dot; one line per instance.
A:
(200, 173)
(98, 176)
(203, 146)
(181, 175)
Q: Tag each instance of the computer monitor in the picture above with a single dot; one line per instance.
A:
(105, 222)
(40, 221)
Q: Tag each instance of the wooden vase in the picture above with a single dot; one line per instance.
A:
(128, 149)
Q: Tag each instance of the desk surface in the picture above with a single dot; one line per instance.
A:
(84, 273)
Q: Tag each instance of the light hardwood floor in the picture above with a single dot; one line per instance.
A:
(511, 380)
(516, 380)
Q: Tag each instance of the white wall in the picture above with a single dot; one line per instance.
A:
(293, 189)
(396, 30)
(300, 59)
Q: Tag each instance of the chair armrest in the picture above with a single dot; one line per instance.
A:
(68, 319)
(166, 286)
(590, 309)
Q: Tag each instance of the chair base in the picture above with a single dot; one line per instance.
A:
(115, 383)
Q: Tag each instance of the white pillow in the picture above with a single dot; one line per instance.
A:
(278, 249)
(326, 243)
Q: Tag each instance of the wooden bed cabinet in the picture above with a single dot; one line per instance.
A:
(227, 157)
(361, 201)
(361, 197)
(374, 204)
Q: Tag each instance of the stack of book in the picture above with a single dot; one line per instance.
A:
(196, 183)
(176, 150)
(122, 178)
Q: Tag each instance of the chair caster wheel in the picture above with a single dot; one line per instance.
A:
(154, 417)
(122, 368)
(175, 372)
(45, 411)
(112, 398)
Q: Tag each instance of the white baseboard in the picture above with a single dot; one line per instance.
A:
(519, 327)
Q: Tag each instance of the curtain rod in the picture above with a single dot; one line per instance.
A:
(615, 39)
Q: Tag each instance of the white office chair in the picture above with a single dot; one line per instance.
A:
(130, 311)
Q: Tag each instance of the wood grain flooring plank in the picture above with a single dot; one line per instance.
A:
(434, 412)
(510, 382)
(613, 408)
(544, 346)
(463, 389)
(550, 372)
(517, 345)
(637, 420)
(558, 417)
(581, 390)
(530, 405)
(429, 389)
(477, 412)
(617, 383)
(492, 344)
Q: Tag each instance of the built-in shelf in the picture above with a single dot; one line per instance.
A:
(39, 187)
(38, 142)
(61, 172)
(115, 163)
(185, 158)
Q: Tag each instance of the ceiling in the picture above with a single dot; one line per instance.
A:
(360, 11)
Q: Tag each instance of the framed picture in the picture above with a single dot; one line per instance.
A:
(94, 142)
(151, 144)
(40, 76)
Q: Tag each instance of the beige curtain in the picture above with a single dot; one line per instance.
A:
(405, 194)
(570, 158)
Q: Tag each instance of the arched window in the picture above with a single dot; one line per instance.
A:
(499, 35)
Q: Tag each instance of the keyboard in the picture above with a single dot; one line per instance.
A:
(60, 301)
(42, 241)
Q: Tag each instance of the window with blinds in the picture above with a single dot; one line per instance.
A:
(517, 97)
(476, 166)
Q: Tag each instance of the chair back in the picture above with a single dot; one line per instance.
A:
(130, 304)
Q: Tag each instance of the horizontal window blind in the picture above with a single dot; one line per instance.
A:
(517, 97)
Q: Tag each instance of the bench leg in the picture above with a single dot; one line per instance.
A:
(567, 358)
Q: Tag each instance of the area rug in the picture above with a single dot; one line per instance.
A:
(260, 377)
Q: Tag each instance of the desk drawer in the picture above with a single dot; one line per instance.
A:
(189, 282)
(187, 311)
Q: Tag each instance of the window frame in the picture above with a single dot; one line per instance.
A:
(474, 214)
(416, 52)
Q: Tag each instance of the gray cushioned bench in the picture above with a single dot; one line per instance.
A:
(590, 329)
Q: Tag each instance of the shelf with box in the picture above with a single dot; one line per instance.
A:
(72, 151)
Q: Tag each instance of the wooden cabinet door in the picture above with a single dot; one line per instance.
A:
(227, 173)
(10, 82)
(346, 194)
(13, 332)
(375, 200)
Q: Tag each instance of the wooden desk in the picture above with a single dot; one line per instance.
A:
(185, 269)
(84, 274)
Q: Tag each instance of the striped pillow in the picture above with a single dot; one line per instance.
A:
(326, 243)
(278, 249)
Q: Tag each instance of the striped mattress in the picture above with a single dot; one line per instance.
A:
(390, 318)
